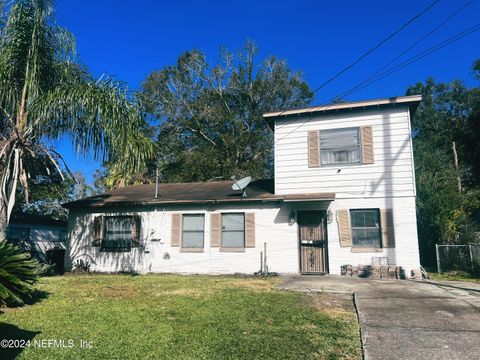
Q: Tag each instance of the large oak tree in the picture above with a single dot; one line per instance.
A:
(210, 115)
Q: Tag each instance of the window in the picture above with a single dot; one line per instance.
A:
(118, 233)
(365, 228)
(192, 231)
(233, 230)
(340, 146)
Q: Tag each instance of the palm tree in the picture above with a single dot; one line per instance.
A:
(45, 93)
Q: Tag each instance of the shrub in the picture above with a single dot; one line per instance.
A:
(81, 267)
(18, 273)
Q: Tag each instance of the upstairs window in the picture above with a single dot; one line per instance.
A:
(365, 228)
(340, 146)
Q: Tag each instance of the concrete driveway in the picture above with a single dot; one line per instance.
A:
(402, 319)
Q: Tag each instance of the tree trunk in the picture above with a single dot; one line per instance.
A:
(3, 222)
(455, 159)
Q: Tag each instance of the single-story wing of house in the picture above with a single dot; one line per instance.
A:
(41, 236)
(343, 194)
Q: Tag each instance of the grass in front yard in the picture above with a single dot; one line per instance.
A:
(188, 317)
(454, 276)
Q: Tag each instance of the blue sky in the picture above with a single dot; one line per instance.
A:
(130, 39)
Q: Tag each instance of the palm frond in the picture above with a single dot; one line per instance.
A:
(45, 93)
(18, 273)
(98, 117)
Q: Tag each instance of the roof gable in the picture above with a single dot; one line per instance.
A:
(410, 101)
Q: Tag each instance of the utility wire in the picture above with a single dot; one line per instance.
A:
(364, 55)
(396, 68)
(360, 58)
(349, 91)
(411, 60)
(412, 46)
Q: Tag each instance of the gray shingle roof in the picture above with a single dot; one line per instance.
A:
(190, 193)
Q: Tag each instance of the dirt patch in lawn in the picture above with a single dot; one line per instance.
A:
(185, 292)
(251, 283)
(336, 305)
(121, 292)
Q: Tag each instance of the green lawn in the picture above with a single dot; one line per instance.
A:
(185, 317)
(454, 276)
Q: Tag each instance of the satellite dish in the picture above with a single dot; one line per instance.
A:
(241, 184)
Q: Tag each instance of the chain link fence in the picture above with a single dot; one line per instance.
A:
(458, 258)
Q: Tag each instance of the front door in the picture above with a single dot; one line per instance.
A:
(312, 241)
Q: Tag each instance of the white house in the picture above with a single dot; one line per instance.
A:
(343, 193)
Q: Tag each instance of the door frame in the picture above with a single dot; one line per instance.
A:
(325, 246)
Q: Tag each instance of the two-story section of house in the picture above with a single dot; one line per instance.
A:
(362, 152)
(343, 193)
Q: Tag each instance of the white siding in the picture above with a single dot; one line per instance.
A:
(271, 227)
(389, 183)
(392, 173)
(405, 253)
